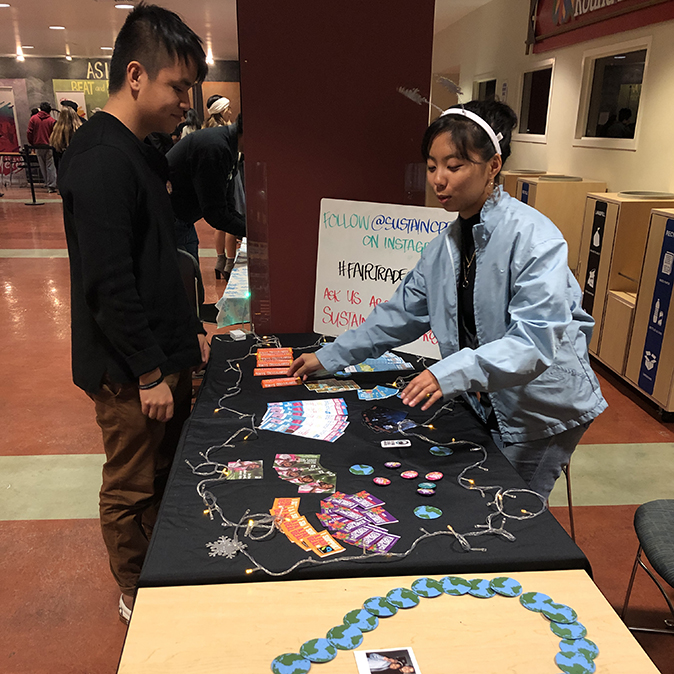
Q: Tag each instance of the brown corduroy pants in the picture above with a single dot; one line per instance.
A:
(139, 452)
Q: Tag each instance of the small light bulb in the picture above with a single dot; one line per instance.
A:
(206, 511)
(249, 571)
(471, 481)
(431, 427)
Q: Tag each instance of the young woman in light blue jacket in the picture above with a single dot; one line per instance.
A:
(497, 292)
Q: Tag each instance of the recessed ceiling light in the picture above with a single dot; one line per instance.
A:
(69, 57)
(26, 46)
(4, 4)
(57, 27)
(107, 48)
(125, 6)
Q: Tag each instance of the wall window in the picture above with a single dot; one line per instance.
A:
(484, 90)
(535, 101)
(612, 95)
(615, 94)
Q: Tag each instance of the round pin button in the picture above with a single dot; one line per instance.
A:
(426, 485)
(393, 464)
(435, 476)
(441, 451)
(425, 492)
(318, 650)
(290, 663)
(381, 481)
(409, 474)
(361, 469)
(427, 513)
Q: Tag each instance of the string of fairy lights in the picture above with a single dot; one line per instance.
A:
(257, 527)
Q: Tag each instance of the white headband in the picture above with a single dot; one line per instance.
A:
(480, 122)
(220, 105)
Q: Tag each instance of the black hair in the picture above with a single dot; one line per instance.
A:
(34, 111)
(624, 114)
(469, 138)
(192, 119)
(239, 124)
(45, 107)
(149, 35)
(212, 99)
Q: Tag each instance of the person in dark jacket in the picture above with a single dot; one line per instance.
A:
(135, 337)
(203, 165)
(40, 127)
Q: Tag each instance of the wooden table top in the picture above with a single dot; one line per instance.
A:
(243, 627)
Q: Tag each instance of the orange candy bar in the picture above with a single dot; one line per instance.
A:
(273, 383)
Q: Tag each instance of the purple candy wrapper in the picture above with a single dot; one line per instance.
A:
(385, 543)
(372, 500)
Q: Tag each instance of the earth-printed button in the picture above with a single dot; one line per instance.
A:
(361, 469)
(290, 663)
(427, 512)
(534, 601)
(559, 613)
(438, 450)
(508, 587)
(455, 586)
(345, 637)
(402, 597)
(584, 646)
(480, 587)
(570, 631)
(362, 619)
(380, 607)
(318, 650)
(427, 587)
(573, 662)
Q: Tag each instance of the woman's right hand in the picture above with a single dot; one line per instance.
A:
(305, 365)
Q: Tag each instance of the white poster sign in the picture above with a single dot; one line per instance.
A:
(364, 252)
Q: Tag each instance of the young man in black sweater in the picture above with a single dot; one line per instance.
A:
(135, 338)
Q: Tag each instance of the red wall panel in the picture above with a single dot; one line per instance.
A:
(322, 118)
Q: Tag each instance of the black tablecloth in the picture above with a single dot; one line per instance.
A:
(178, 553)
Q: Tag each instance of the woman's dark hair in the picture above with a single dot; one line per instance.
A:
(212, 99)
(191, 119)
(152, 36)
(471, 139)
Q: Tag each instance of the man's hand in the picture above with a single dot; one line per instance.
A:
(424, 387)
(157, 402)
(304, 366)
(205, 351)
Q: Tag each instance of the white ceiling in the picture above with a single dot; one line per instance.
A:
(92, 24)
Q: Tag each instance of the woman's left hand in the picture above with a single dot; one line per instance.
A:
(424, 387)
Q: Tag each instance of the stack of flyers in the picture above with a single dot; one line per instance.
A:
(378, 393)
(331, 386)
(386, 362)
(306, 471)
(317, 419)
(299, 531)
(358, 519)
(276, 358)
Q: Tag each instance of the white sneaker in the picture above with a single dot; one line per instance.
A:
(124, 611)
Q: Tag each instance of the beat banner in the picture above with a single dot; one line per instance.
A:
(364, 252)
(657, 321)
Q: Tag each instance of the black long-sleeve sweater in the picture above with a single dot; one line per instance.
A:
(129, 308)
(201, 166)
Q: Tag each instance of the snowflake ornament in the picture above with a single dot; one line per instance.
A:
(225, 547)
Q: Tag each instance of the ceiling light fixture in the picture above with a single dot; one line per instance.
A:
(27, 46)
(107, 48)
(57, 27)
(125, 7)
(4, 4)
(209, 57)
(69, 57)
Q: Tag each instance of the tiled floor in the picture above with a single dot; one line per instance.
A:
(57, 595)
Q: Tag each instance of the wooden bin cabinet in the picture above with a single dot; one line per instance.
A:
(611, 252)
(617, 329)
(651, 316)
(564, 203)
(509, 179)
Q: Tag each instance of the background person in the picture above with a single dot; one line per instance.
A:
(62, 133)
(40, 127)
(497, 292)
(135, 337)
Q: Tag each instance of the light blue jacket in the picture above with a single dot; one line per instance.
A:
(532, 331)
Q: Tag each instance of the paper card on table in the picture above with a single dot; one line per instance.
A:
(385, 543)
(244, 470)
(372, 500)
(273, 383)
(386, 660)
(323, 544)
(269, 371)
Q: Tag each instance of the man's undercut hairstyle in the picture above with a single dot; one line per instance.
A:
(155, 37)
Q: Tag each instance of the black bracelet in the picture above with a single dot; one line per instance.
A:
(146, 387)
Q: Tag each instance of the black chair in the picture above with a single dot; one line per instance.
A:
(654, 524)
(191, 276)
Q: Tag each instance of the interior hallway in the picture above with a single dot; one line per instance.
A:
(57, 595)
